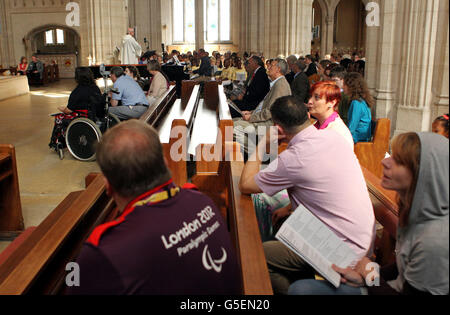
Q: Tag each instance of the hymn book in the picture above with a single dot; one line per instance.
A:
(316, 244)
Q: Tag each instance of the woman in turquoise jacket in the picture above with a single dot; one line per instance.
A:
(359, 115)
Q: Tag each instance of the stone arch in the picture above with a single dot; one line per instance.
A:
(329, 8)
(29, 50)
(352, 27)
(68, 60)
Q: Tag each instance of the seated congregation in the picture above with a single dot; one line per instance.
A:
(315, 114)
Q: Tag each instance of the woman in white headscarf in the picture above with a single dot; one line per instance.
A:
(418, 170)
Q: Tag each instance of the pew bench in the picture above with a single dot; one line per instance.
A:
(38, 265)
(244, 230)
(386, 213)
(371, 154)
(177, 116)
(11, 218)
(210, 138)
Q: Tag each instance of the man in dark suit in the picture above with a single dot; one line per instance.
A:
(300, 85)
(310, 63)
(291, 60)
(205, 70)
(258, 87)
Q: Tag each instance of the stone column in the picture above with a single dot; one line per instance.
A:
(419, 51)
(106, 24)
(385, 81)
(329, 40)
(199, 25)
(440, 87)
(146, 16)
(371, 55)
(275, 27)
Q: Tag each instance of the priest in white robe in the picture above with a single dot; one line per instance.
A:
(130, 51)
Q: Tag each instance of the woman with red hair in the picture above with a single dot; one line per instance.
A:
(323, 106)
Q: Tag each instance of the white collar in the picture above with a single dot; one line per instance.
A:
(275, 81)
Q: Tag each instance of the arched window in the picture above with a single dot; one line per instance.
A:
(184, 21)
(217, 19)
(53, 34)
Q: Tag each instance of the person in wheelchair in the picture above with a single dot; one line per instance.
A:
(85, 101)
(134, 101)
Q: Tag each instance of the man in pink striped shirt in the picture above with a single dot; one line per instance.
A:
(320, 171)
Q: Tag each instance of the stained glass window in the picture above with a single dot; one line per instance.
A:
(217, 20)
(184, 21)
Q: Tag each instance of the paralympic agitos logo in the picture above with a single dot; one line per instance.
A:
(212, 264)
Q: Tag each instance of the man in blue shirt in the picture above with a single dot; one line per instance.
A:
(134, 102)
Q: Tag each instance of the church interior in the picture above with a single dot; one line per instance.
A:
(404, 45)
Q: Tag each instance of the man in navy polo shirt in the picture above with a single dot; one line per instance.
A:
(134, 102)
(166, 241)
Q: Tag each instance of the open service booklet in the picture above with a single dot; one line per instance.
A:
(316, 244)
(234, 106)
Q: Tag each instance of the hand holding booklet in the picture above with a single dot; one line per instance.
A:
(316, 244)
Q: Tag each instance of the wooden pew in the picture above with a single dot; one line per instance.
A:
(386, 213)
(372, 153)
(244, 229)
(178, 116)
(11, 219)
(38, 265)
(214, 128)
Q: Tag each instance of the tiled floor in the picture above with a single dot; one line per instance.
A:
(44, 179)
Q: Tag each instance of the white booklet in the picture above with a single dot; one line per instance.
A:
(316, 244)
(234, 106)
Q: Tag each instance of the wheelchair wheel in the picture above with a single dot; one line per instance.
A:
(82, 137)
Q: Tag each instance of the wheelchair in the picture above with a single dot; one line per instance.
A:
(83, 133)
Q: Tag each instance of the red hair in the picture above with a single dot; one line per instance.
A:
(328, 89)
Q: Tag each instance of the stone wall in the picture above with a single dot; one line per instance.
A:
(102, 25)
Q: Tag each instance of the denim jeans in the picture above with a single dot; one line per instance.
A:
(316, 287)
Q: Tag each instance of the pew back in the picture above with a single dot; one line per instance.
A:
(244, 230)
(386, 213)
(372, 153)
(11, 219)
(38, 265)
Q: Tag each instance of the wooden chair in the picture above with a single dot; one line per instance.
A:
(371, 154)
(11, 219)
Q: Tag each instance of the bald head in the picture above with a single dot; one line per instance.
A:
(131, 158)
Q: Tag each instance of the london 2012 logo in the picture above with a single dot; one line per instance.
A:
(212, 264)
